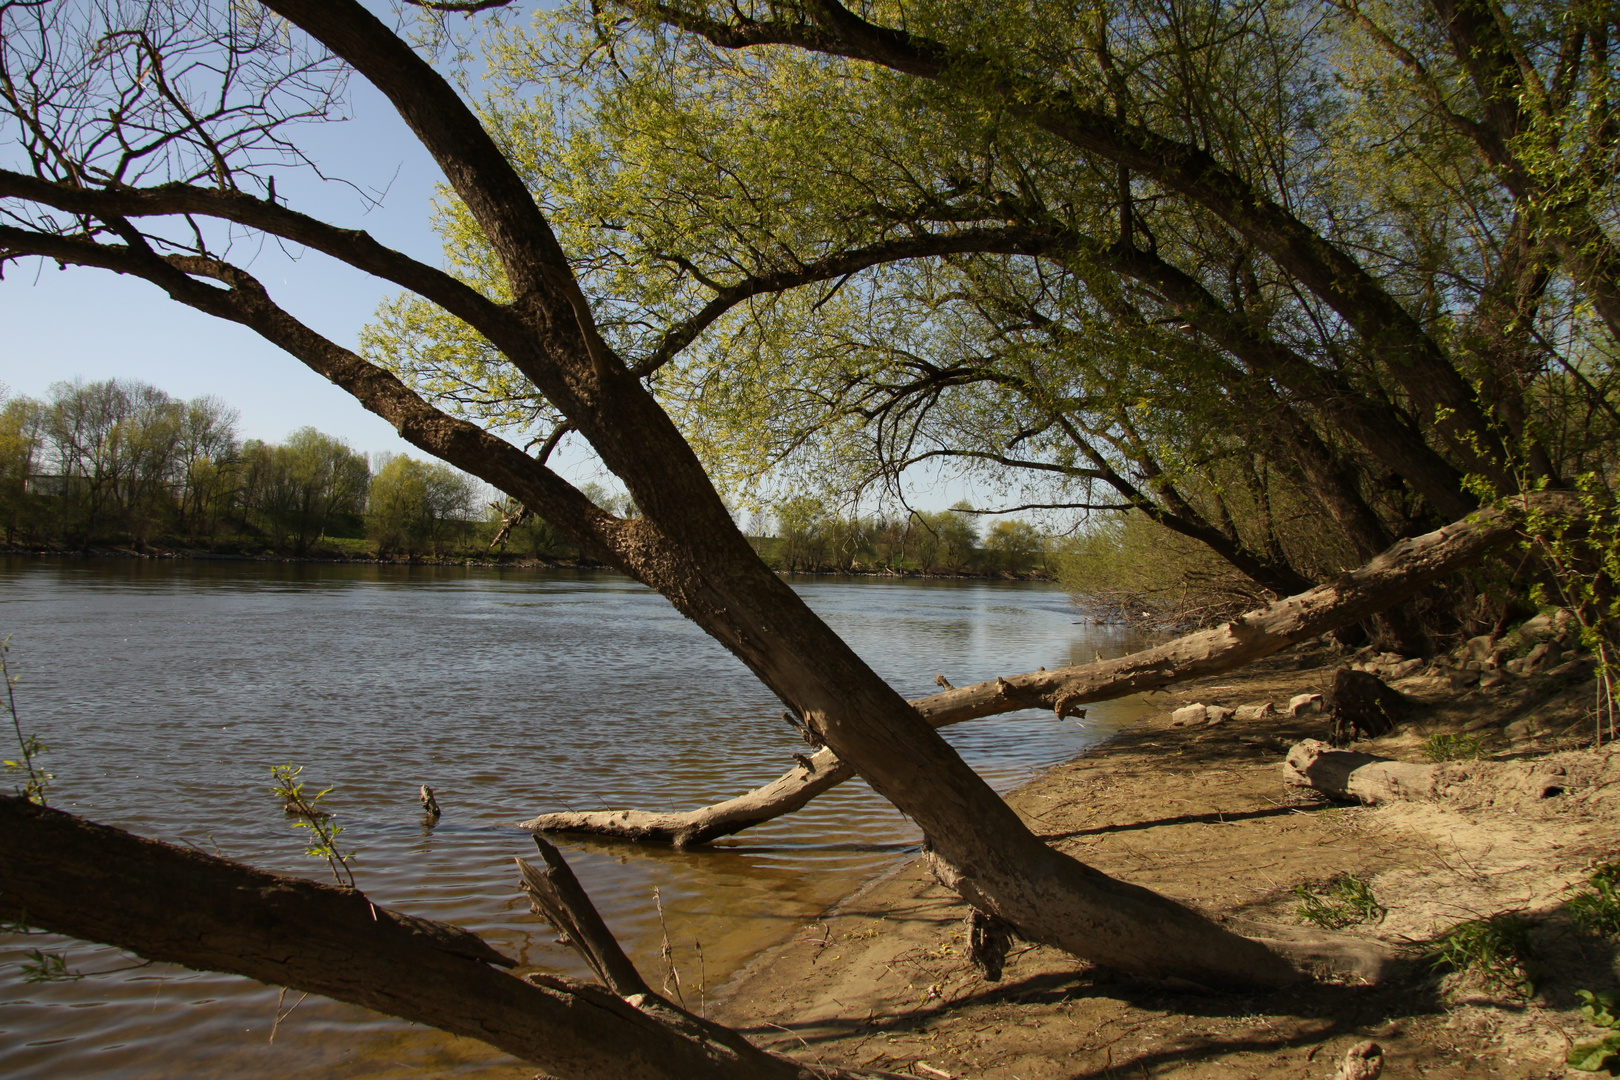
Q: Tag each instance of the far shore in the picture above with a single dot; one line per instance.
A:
(515, 562)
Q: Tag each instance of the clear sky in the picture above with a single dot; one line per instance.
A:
(86, 323)
(58, 324)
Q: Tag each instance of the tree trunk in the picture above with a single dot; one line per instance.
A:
(1405, 568)
(180, 906)
(686, 544)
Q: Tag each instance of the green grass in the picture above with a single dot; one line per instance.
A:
(1454, 747)
(1498, 947)
(1596, 910)
(1344, 901)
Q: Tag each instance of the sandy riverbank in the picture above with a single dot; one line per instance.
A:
(1203, 816)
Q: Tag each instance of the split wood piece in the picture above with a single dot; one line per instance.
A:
(557, 897)
(180, 906)
(1356, 777)
(988, 940)
(1392, 576)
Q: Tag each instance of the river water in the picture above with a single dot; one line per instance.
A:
(165, 691)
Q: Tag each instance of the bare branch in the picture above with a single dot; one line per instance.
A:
(1007, 241)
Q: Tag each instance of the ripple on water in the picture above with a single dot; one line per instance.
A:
(166, 690)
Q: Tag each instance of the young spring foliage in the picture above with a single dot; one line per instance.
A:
(831, 271)
(307, 813)
(36, 782)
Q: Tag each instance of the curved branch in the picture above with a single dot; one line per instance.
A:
(352, 246)
(1388, 329)
(1003, 241)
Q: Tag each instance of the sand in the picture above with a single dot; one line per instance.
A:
(1202, 815)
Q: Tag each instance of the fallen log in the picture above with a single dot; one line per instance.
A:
(1387, 579)
(1355, 777)
(172, 904)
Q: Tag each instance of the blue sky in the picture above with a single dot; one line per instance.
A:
(74, 323)
(87, 323)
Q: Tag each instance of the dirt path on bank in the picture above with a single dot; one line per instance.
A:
(1202, 815)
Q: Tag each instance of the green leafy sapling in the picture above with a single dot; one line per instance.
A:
(36, 781)
(311, 815)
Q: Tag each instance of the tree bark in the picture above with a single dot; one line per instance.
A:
(687, 546)
(175, 905)
(1403, 569)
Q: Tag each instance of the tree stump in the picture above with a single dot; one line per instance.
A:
(1363, 705)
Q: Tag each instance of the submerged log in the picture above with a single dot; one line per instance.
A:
(1387, 579)
(557, 896)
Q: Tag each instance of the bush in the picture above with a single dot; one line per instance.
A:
(1141, 572)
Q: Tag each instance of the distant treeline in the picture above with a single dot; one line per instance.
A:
(121, 463)
(809, 536)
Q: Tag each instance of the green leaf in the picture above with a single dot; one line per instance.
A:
(1601, 1009)
(1594, 1056)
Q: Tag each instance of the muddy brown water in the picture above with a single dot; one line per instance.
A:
(165, 690)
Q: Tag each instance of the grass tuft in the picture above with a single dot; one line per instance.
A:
(1498, 947)
(1454, 747)
(1343, 901)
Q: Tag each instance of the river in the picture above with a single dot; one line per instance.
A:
(165, 690)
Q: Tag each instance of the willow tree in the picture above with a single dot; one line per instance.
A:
(144, 132)
(1224, 264)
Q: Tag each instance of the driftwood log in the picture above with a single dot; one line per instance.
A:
(1511, 786)
(1387, 579)
(1356, 777)
(172, 904)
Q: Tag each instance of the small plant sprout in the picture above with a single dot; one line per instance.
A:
(37, 781)
(45, 967)
(310, 815)
(1344, 901)
(1454, 747)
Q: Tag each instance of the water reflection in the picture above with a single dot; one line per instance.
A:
(165, 691)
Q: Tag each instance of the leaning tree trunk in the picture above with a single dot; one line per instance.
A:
(1405, 568)
(685, 545)
(181, 906)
